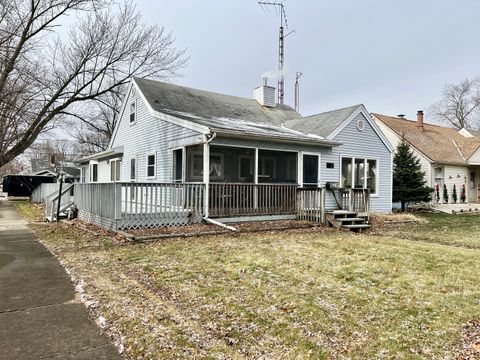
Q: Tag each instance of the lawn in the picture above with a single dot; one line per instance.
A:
(298, 294)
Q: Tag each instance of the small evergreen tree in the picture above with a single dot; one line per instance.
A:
(408, 178)
(463, 196)
(454, 194)
(437, 192)
(445, 194)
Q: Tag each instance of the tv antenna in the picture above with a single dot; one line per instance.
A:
(297, 91)
(280, 8)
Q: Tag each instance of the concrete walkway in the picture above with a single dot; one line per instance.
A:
(39, 318)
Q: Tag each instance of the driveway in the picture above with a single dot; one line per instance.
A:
(39, 315)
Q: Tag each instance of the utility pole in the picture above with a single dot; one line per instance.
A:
(281, 47)
(297, 91)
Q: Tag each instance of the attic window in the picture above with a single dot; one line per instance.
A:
(133, 112)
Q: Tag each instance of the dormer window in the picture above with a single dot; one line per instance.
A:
(133, 112)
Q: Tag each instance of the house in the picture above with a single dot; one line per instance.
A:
(231, 157)
(447, 156)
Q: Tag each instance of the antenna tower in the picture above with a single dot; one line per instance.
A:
(297, 91)
(281, 46)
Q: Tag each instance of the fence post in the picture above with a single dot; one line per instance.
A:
(322, 205)
(118, 201)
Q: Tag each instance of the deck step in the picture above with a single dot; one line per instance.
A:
(357, 226)
(350, 219)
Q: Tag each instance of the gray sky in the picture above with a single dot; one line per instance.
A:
(392, 56)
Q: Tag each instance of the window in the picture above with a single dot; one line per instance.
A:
(115, 170)
(133, 111)
(83, 173)
(151, 165)
(196, 166)
(245, 166)
(216, 167)
(363, 173)
(266, 168)
(372, 176)
(359, 170)
(347, 172)
(94, 173)
(330, 165)
(178, 165)
(133, 169)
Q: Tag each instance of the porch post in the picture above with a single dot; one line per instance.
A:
(300, 169)
(206, 176)
(255, 180)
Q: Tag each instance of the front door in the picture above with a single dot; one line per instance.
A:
(310, 170)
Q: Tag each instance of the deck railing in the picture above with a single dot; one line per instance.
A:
(136, 205)
(51, 201)
(238, 199)
(311, 204)
(357, 200)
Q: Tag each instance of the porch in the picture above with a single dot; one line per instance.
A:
(121, 206)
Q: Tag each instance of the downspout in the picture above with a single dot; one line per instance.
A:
(209, 139)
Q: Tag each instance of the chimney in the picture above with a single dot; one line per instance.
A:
(420, 119)
(264, 94)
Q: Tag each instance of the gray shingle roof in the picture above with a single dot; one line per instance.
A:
(322, 124)
(166, 98)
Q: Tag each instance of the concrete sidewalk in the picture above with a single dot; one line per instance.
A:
(39, 318)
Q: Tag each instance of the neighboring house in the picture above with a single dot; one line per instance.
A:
(251, 154)
(447, 156)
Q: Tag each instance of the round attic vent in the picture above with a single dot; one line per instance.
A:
(360, 125)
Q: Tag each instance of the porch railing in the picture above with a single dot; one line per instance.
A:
(51, 202)
(311, 204)
(251, 199)
(357, 200)
(140, 205)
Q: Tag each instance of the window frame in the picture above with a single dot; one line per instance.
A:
(183, 152)
(134, 178)
(319, 169)
(147, 165)
(93, 165)
(134, 113)
(116, 163)
(365, 161)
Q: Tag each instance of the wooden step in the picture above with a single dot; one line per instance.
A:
(350, 219)
(355, 227)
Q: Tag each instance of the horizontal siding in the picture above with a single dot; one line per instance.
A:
(148, 135)
(362, 144)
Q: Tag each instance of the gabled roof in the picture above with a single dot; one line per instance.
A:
(322, 124)
(438, 143)
(174, 99)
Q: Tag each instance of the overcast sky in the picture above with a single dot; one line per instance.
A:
(392, 56)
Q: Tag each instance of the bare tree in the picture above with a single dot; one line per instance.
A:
(46, 79)
(97, 122)
(460, 105)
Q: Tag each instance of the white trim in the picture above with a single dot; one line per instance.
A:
(319, 165)
(255, 169)
(115, 162)
(154, 154)
(362, 110)
(90, 170)
(121, 113)
(174, 168)
(365, 159)
(135, 175)
(134, 103)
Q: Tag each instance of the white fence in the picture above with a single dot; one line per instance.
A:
(42, 191)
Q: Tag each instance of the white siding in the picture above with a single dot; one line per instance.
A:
(457, 175)
(147, 135)
(394, 140)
